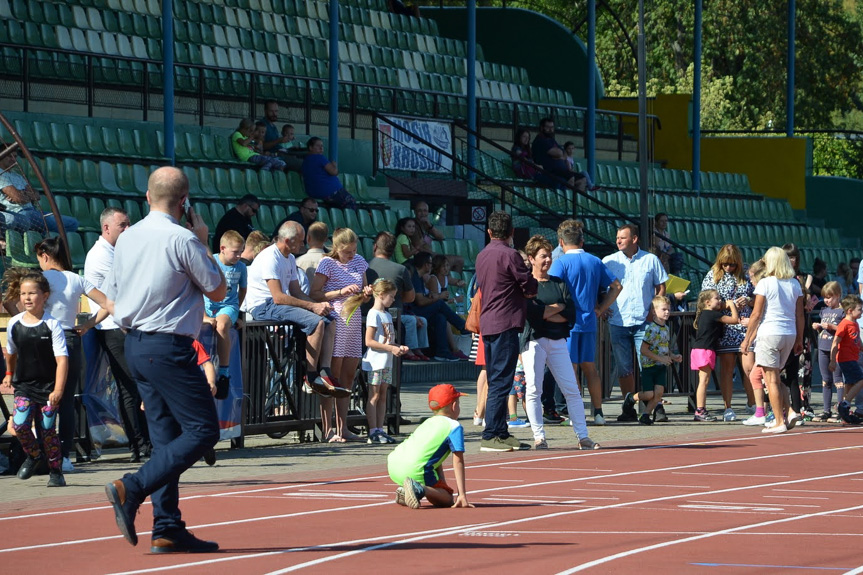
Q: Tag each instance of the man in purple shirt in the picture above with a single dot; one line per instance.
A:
(506, 285)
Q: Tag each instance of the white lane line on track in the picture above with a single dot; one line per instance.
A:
(726, 474)
(600, 453)
(755, 504)
(609, 558)
(501, 488)
(456, 531)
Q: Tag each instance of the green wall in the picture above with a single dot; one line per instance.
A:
(552, 55)
(838, 201)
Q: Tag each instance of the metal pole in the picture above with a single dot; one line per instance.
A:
(792, 33)
(696, 103)
(642, 121)
(334, 82)
(590, 121)
(471, 87)
(168, 78)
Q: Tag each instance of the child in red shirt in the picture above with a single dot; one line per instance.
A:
(845, 352)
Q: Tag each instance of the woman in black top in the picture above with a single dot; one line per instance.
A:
(550, 317)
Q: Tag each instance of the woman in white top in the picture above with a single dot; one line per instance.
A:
(67, 288)
(776, 325)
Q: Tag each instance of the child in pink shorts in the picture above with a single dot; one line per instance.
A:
(709, 324)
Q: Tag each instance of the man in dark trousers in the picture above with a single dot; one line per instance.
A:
(161, 270)
(506, 286)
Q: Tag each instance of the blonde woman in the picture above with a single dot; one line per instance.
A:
(338, 276)
(777, 321)
(728, 278)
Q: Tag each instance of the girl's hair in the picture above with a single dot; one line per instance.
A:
(728, 254)
(342, 238)
(704, 297)
(400, 226)
(438, 261)
(777, 264)
(831, 289)
(518, 134)
(56, 250)
(756, 270)
(380, 288)
(14, 277)
(536, 243)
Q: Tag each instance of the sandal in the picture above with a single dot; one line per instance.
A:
(336, 439)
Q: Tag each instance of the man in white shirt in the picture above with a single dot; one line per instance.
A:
(112, 339)
(274, 294)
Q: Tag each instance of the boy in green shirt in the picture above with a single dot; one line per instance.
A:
(417, 463)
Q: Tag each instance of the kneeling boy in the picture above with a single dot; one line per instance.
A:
(223, 315)
(417, 463)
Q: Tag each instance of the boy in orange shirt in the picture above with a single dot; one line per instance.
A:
(845, 352)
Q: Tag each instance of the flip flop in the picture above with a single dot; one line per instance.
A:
(336, 439)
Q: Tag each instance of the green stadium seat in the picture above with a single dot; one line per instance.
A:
(77, 250)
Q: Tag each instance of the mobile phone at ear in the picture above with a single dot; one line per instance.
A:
(187, 210)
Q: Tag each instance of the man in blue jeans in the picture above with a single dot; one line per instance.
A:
(642, 277)
(506, 285)
(161, 270)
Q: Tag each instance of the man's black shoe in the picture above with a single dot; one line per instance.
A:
(27, 468)
(210, 457)
(223, 386)
(125, 517)
(182, 542)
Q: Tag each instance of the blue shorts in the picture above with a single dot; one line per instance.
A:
(582, 346)
(307, 320)
(623, 341)
(216, 308)
(852, 372)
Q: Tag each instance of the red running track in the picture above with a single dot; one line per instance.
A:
(787, 503)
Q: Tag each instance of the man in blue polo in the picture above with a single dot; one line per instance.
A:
(161, 271)
(642, 276)
(585, 276)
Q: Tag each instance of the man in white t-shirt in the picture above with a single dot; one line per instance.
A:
(112, 339)
(274, 294)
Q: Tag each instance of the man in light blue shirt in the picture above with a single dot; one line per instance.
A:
(642, 276)
(161, 271)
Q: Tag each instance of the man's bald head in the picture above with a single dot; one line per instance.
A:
(166, 188)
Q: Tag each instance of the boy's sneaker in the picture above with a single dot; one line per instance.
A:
(750, 409)
(541, 444)
(66, 466)
(56, 479)
(645, 419)
(551, 417)
(598, 419)
(494, 444)
(516, 445)
(517, 422)
(703, 415)
(659, 415)
(400, 496)
(755, 420)
(588, 444)
(729, 415)
(413, 493)
(386, 438)
(769, 418)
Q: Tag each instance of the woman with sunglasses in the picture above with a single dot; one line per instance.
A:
(728, 277)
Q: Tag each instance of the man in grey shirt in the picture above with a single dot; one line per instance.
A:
(161, 270)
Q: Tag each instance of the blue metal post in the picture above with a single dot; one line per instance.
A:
(334, 81)
(168, 77)
(471, 87)
(696, 103)
(792, 34)
(590, 121)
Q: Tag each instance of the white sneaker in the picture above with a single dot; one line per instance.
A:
(478, 421)
(729, 415)
(598, 419)
(775, 429)
(755, 420)
(794, 419)
(67, 466)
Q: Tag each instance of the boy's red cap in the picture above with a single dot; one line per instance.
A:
(442, 395)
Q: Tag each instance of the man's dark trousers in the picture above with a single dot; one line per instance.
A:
(501, 355)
